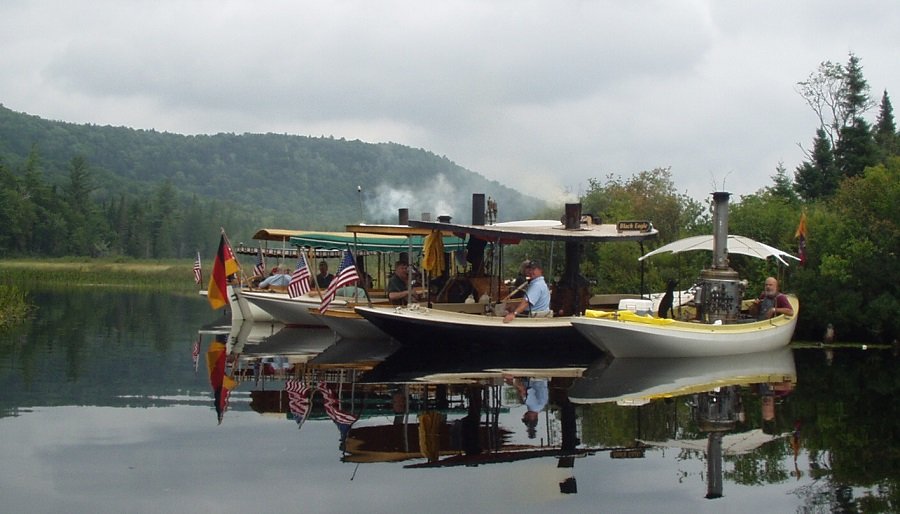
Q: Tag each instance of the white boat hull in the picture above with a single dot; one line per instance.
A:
(623, 338)
(287, 310)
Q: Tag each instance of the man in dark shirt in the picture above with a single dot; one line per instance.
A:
(323, 278)
(398, 286)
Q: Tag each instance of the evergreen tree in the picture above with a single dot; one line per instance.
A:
(12, 213)
(855, 100)
(855, 149)
(819, 176)
(886, 136)
(162, 223)
(79, 207)
(38, 212)
(783, 187)
(136, 239)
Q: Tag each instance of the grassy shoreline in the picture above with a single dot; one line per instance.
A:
(172, 274)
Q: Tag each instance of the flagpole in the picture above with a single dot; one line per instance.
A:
(315, 280)
(240, 272)
(361, 278)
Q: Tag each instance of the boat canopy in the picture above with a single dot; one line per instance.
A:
(276, 234)
(541, 230)
(369, 242)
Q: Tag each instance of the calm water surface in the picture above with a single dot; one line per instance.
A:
(103, 411)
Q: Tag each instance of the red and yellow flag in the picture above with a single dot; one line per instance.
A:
(224, 266)
(222, 384)
(800, 235)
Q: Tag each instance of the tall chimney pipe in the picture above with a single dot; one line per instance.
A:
(573, 216)
(478, 208)
(403, 216)
(720, 230)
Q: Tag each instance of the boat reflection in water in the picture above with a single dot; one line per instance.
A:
(424, 407)
(479, 405)
(714, 388)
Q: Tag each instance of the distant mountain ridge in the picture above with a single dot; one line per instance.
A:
(288, 181)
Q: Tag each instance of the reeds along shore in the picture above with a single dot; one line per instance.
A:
(14, 306)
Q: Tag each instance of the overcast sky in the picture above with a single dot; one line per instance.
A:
(540, 96)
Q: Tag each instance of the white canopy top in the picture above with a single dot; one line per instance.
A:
(736, 244)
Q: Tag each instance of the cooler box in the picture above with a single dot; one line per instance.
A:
(637, 306)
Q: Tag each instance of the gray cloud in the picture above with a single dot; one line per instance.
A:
(539, 96)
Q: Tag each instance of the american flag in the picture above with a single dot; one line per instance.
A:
(198, 274)
(299, 284)
(298, 400)
(333, 408)
(345, 276)
(260, 269)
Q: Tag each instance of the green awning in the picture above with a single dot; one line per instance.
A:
(368, 242)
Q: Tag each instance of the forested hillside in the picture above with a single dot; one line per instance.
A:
(144, 181)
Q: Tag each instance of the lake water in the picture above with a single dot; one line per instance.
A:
(103, 411)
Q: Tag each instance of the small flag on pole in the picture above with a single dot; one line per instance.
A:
(800, 234)
(198, 273)
(260, 268)
(345, 276)
(195, 353)
(299, 284)
(298, 399)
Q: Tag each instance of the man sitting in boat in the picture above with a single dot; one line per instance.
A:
(520, 280)
(534, 393)
(398, 289)
(537, 295)
(771, 303)
(276, 279)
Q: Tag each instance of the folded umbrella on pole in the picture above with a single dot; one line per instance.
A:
(735, 244)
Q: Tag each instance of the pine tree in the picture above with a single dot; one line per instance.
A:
(818, 177)
(886, 136)
(855, 100)
(783, 187)
(855, 149)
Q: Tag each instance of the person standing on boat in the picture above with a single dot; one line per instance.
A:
(323, 278)
(771, 303)
(537, 295)
(398, 286)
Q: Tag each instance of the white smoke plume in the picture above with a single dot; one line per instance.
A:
(439, 198)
